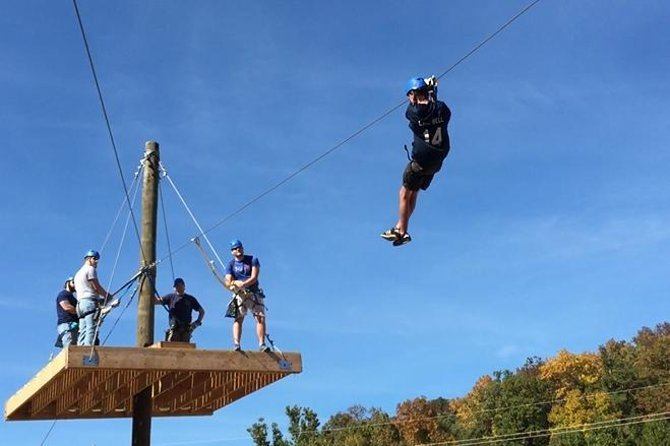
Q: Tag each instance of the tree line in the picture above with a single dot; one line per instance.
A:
(598, 398)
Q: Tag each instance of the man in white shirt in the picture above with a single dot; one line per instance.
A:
(89, 295)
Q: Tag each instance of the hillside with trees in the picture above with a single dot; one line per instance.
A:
(617, 396)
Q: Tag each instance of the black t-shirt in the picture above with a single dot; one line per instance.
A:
(181, 307)
(429, 125)
(63, 316)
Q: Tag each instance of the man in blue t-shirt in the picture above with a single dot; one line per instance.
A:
(181, 307)
(428, 119)
(67, 324)
(242, 279)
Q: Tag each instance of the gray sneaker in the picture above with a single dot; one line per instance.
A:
(402, 240)
(237, 348)
(390, 234)
(263, 348)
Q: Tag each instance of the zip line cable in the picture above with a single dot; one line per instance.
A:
(352, 136)
(109, 126)
(497, 409)
(579, 428)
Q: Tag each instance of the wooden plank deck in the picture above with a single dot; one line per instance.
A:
(183, 379)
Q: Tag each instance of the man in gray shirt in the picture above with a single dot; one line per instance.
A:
(89, 295)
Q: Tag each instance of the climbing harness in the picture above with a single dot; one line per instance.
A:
(73, 327)
(180, 331)
(233, 307)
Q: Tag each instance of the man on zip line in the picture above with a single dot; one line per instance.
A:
(428, 118)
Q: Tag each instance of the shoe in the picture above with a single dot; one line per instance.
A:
(264, 348)
(402, 240)
(390, 234)
(237, 348)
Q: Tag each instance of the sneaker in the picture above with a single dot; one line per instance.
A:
(390, 234)
(402, 240)
(237, 348)
(263, 348)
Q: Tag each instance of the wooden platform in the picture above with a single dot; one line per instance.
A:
(184, 381)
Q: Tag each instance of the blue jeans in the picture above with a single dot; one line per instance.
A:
(68, 332)
(86, 323)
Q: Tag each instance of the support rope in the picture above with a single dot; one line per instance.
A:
(165, 225)
(121, 206)
(188, 209)
(109, 126)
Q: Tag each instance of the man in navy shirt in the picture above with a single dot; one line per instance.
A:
(242, 279)
(428, 119)
(181, 306)
(66, 312)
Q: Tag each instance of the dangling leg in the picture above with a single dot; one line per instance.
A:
(406, 205)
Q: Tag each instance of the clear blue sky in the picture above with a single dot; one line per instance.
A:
(546, 229)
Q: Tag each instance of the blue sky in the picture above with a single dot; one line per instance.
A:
(546, 229)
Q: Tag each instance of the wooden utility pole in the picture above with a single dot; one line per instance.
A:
(142, 403)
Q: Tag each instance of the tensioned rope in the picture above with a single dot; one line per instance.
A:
(116, 262)
(578, 428)
(352, 136)
(121, 206)
(499, 409)
(165, 226)
(190, 213)
(109, 126)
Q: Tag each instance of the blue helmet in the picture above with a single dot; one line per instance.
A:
(415, 83)
(92, 253)
(235, 243)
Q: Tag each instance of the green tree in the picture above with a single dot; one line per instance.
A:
(426, 421)
(359, 426)
(516, 406)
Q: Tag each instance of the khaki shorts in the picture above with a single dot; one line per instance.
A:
(255, 304)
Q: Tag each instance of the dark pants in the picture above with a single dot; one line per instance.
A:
(178, 333)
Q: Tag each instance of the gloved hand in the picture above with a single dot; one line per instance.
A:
(195, 325)
(431, 82)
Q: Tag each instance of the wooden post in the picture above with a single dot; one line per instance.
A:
(142, 404)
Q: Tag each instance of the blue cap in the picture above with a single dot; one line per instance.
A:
(235, 243)
(415, 83)
(92, 253)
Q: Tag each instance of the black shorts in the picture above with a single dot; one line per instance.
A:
(416, 177)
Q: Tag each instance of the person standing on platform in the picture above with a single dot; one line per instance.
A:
(89, 295)
(181, 307)
(67, 324)
(242, 279)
